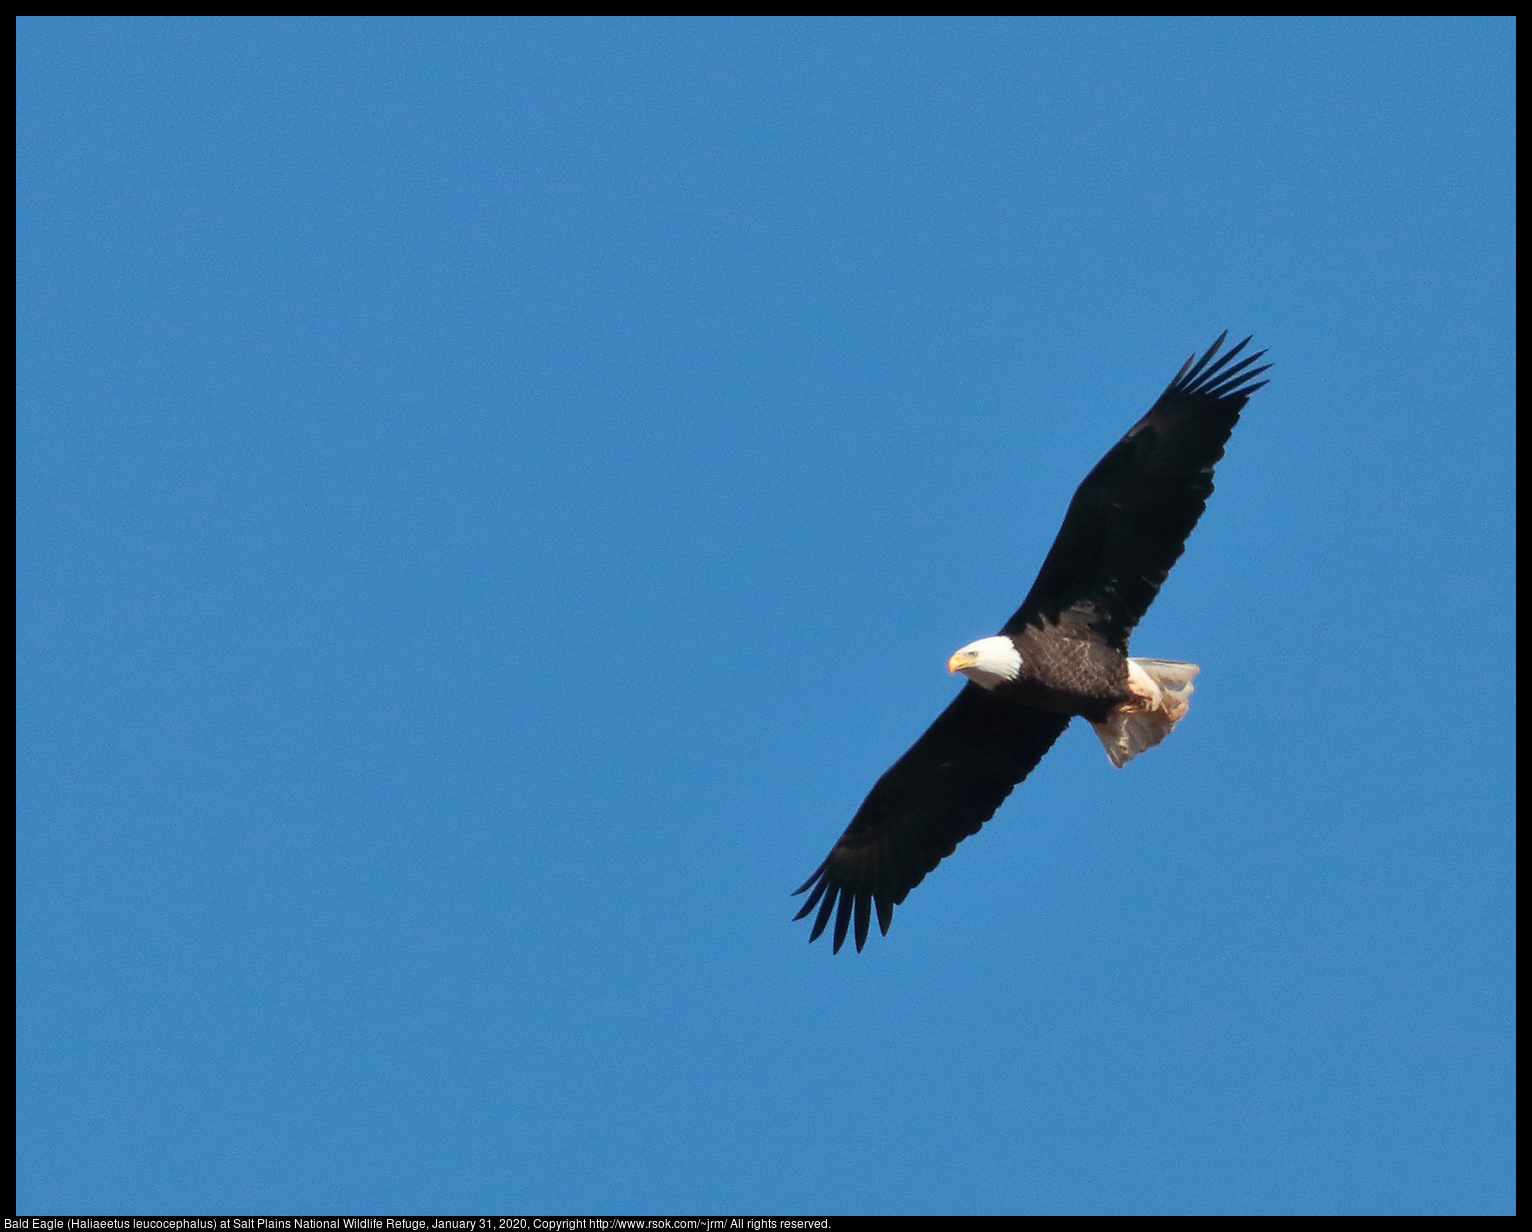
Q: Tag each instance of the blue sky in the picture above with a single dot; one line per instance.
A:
(494, 495)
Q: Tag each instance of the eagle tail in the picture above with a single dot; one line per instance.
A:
(1163, 689)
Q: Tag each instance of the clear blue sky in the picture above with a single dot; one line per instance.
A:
(495, 494)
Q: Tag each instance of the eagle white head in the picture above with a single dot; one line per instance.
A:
(988, 662)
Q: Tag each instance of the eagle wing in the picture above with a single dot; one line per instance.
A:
(1128, 522)
(948, 785)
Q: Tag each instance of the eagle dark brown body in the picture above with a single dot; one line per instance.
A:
(1067, 671)
(1063, 653)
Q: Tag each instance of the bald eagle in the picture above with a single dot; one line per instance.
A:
(1064, 652)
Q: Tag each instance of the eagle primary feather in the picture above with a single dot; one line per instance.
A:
(1125, 528)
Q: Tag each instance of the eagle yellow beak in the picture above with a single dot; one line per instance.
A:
(960, 661)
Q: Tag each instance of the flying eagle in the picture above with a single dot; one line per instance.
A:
(1064, 652)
